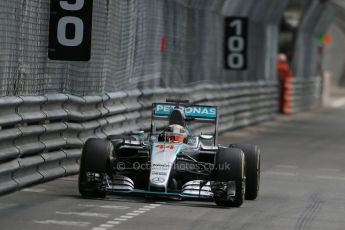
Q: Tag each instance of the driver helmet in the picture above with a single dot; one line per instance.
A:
(175, 133)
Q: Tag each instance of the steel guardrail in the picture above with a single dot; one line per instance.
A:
(41, 137)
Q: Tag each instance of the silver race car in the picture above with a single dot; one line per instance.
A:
(172, 161)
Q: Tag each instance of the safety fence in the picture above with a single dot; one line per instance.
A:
(41, 137)
(136, 44)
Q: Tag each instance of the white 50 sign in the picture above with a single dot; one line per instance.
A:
(235, 42)
(70, 30)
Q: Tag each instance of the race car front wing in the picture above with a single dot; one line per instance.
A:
(193, 189)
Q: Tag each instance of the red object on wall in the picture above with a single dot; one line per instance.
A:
(326, 39)
(163, 43)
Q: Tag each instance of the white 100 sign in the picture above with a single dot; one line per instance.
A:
(75, 21)
(236, 45)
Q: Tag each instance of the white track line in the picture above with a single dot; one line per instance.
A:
(275, 173)
(113, 222)
(156, 205)
(330, 170)
(120, 219)
(64, 223)
(103, 206)
(35, 190)
(106, 225)
(139, 211)
(286, 166)
(133, 214)
(86, 214)
(128, 216)
(331, 178)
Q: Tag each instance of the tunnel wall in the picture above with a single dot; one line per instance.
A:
(333, 59)
(308, 79)
(315, 22)
(334, 63)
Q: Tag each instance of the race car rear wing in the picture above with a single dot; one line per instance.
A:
(198, 113)
(193, 113)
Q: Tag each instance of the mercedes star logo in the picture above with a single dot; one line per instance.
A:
(158, 180)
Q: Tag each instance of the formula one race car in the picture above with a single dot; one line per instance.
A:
(171, 161)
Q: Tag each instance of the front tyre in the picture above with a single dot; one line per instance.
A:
(93, 165)
(229, 181)
(253, 165)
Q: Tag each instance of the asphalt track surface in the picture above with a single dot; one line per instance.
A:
(302, 187)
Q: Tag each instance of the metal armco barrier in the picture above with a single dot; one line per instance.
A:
(41, 137)
(306, 94)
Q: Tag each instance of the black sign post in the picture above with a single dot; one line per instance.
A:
(70, 30)
(235, 43)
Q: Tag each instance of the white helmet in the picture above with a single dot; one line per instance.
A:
(175, 133)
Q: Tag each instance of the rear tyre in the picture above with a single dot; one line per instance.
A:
(253, 164)
(225, 175)
(93, 166)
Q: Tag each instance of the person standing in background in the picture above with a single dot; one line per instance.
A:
(285, 76)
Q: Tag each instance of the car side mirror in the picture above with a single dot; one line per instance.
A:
(206, 137)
